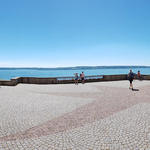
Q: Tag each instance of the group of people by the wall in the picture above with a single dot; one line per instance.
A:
(131, 77)
(81, 77)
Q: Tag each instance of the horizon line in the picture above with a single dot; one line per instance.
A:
(75, 67)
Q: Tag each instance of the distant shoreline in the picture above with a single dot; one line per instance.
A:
(77, 67)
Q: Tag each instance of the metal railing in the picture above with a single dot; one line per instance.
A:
(86, 77)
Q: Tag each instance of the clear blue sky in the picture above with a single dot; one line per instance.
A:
(52, 33)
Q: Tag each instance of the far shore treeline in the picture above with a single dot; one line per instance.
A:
(77, 67)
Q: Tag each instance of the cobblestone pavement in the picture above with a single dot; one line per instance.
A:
(93, 116)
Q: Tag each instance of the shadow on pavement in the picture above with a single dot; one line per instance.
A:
(135, 90)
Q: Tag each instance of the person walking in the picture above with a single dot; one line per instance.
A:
(131, 77)
(76, 78)
(82, 78)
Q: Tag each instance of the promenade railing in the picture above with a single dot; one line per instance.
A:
(65, 80)
(86, 77)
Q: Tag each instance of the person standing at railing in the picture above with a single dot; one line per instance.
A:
(139, 76)
(82, 78)
(76, 78)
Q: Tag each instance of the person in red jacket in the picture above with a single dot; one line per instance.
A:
(139, 75)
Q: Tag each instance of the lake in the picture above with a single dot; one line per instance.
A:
(8, 73)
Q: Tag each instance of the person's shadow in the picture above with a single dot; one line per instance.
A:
(135, 90)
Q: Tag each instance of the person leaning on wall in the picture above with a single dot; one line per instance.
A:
(139, 76)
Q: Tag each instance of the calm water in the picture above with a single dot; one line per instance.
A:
(8, 73)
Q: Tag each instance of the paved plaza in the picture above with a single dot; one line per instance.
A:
(93, 116)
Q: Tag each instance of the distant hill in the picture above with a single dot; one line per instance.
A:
(78, 67)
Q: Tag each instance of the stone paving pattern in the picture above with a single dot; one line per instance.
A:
(93, 116)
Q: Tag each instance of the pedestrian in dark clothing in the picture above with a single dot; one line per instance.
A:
(131, 78)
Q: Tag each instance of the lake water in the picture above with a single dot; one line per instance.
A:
(8, 73)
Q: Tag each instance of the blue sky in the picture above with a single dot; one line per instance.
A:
(55, 33)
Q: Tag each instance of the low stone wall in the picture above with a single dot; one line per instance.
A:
(33, 80)
(65, 80)
(6, 83)
(146, 77)
(114, 77)
(79, 81)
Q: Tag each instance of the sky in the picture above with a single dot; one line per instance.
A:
(61, 33)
